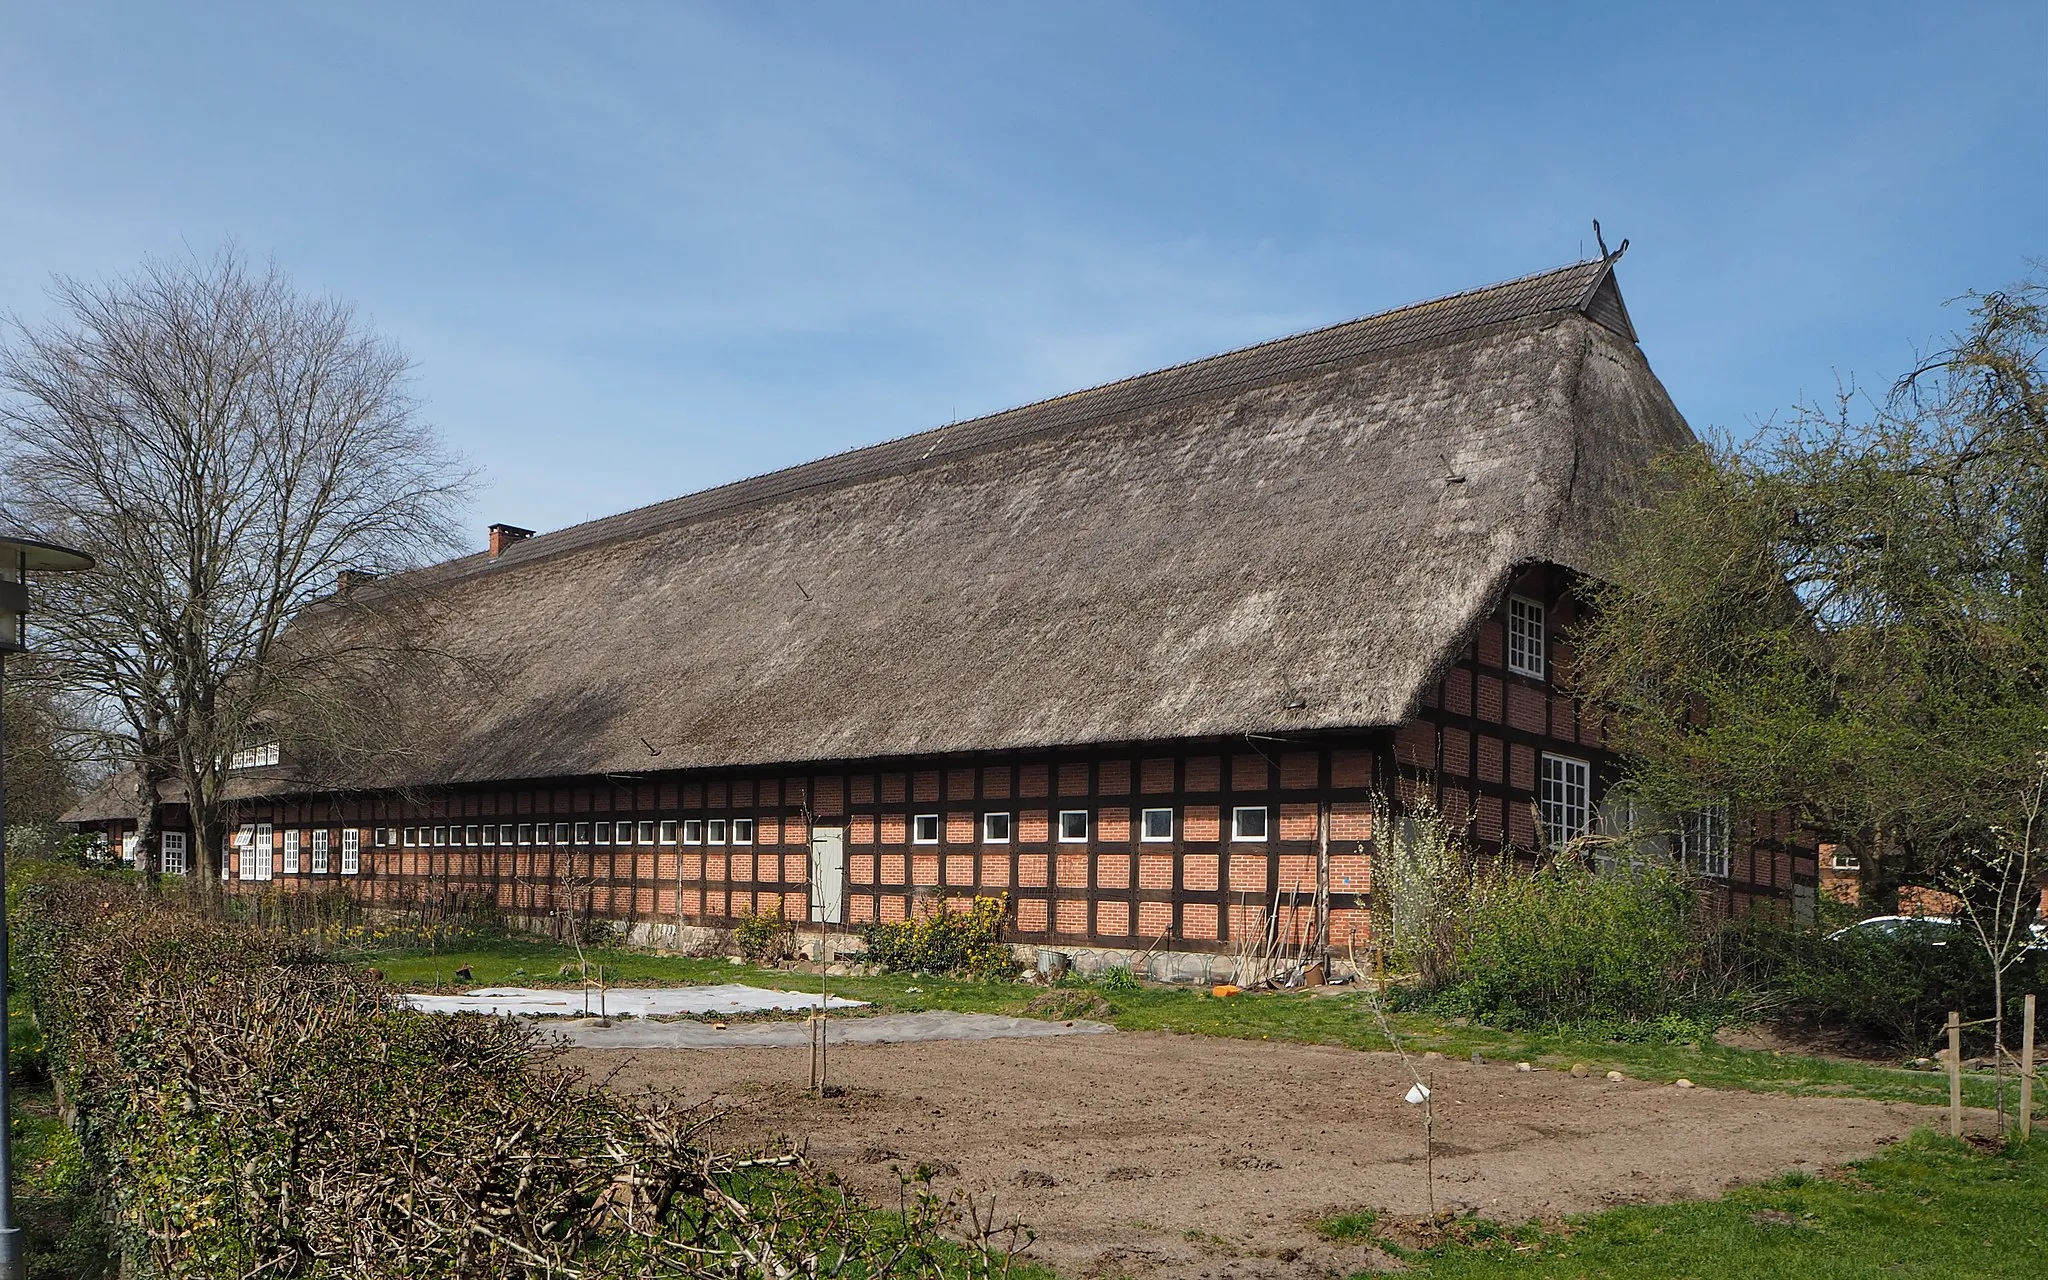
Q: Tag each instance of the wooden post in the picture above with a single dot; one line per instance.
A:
(2027, 1070)
(1955, 1074)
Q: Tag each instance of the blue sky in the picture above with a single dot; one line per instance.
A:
(637, 249)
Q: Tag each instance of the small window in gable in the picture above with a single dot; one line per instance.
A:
(693, 831)
(1248, 824)
(714, 831)
(647, 833)
(623, 833)
(743, 831)
(924, 829)
(1525, 637)
(1073, 826)
(668, 831)
(995, 828)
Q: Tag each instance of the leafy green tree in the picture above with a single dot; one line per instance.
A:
(1847, 617)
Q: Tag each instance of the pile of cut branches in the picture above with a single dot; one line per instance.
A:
(251, 1109)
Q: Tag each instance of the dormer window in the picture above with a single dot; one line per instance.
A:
(1525, 637)
(254, 757)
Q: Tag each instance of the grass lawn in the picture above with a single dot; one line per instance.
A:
(1341, 1019)
(1928, 1207)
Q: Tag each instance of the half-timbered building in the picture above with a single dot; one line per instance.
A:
(1147, 658)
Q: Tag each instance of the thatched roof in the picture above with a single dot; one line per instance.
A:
(1291, 537)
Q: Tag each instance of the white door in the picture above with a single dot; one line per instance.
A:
(828, 875)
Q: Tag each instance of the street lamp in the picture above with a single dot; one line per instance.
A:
(19, 557)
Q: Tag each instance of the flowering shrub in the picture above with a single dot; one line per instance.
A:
(944, 940)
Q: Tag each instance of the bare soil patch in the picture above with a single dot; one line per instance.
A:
(1152, 1154)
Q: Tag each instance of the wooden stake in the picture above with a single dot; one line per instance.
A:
(2027, 1070)
(1955, 1074)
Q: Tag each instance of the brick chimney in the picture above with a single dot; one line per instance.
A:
(349, 579)
(504, 535)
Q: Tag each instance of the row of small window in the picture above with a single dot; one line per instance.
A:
(1076, 826)
(693, 831)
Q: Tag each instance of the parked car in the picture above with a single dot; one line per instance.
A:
(1933, 930)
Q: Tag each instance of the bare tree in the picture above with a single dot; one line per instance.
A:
(225, 447)
(1999, 892)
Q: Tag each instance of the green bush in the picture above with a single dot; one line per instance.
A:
(1889, 992)
(1568, 944)
(944, 940)
(764, 937)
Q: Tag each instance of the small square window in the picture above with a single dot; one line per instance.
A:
(714, 831)
(1248, 824)
(412, 837)
(647, 833)
(582, 833)
(995, 828)
(1073, 826)
(526, 833)
(668, 831)
(491, 835)
(624, 834)
(474, 836)
(743, 831)
(693, 831)
(440, 837)
(924, 829)
(1158, 825)
(561, 833)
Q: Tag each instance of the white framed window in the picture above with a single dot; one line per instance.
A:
(1842, 858)
(668, 831)
(291, 852)
(743, 831)
(129, 844)
(475, 836)
(647, 833)
(995, 828)
(714, 831)
(351, 851)
(1565, 798)
(561, 833)
(254, 757)
(601, 833)
(440, 837)
(1525, 637)
(321, 838)
(1248, 824)
(1703, 839)
(1156, 825)
(174, 853)
(693, 831)
(411, 837)
(924, 828)
(245, 851)
(1073, 826)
